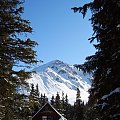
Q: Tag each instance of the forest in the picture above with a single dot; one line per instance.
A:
(17, 51)
(61, 104)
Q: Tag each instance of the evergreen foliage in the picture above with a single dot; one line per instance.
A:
(58, 104)
(43, 99)
(52, 100)
(78, 107)
(105, 90)
(68, 109)
(63, 101)
(62, 105)
(34, 99)
(13, 50)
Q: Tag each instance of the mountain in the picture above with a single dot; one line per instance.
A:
(57, 76)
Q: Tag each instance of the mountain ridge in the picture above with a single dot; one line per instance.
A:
(57, 76)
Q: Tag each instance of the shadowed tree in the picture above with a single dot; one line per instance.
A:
(78, 107)
(14, 49)
(58, 102)
(34, 99)
(52, 100)
(105, 90)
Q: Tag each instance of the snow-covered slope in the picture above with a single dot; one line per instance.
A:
(57, 76)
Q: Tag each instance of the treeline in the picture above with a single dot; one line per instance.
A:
(61, 104)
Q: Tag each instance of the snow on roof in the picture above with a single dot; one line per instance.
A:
(61, 117)
(39, 110)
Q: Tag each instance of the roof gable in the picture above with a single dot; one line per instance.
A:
(49, 108)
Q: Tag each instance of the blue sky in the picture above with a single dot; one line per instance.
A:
(60, 33)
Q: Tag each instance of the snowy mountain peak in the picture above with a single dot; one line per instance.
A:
(57, 76)
(52, 64)
(57, 62)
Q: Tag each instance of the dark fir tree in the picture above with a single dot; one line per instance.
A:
(64, 105)
(58, 102)
(13, 50)
(68, 109)
(66, 99)
(105, 90)
(43, 99)
(22, 107)
(52, 100)
(37, 93)
(34, 99)
(62, 102)
(78, 107)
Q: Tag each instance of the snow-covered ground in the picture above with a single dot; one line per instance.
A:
(57, 76)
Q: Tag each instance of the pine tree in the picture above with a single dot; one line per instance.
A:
(37, 96)
(43, 99)
(24, 111)
(66, 99)
(63, 101)
(52, 100)
(31, 98)
(13, 50)
(58, 103)
(78, 97)
(105, 90)
(78, 107)
(34, 99)
(66, 107)
(37, 91)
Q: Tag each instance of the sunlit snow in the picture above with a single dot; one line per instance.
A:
(57, 76)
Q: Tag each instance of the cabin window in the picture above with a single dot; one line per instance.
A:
(44, 117)
(47, 118)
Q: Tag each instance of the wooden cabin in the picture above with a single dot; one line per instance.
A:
(48, 112)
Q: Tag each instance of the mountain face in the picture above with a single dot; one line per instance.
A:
(57, 76)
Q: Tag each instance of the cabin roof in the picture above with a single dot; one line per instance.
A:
(61, 117)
